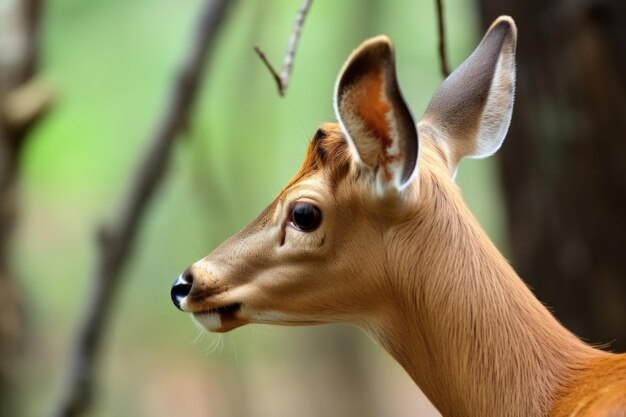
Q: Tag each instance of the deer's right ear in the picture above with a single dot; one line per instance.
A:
(374, 116)
(470, 113)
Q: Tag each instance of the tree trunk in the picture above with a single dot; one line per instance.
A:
(563, 164)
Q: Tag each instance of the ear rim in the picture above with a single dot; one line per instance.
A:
(503, 34)
(384, 46)
(508, 49)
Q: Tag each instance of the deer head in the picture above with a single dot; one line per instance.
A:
(373, 231)
(370, 216)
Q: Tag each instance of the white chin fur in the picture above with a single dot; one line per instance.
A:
(210, 321)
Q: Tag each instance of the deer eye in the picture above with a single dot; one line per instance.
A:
(305, 216)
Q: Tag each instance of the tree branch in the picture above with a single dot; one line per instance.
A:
(116, 240)
(282, 79)
(445, 69)
(19, 26)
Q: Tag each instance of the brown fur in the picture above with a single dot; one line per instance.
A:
(328, 149)
(413, 267)
(367, 97)
(469, 331)
(456, 316)
(375, 107)
(598, 389)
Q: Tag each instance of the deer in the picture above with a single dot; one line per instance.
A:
(373, 231)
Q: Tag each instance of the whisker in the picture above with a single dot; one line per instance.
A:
(234, 344)
(215, 343)
(200, 335)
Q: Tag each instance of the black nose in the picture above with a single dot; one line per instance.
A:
(181, 288)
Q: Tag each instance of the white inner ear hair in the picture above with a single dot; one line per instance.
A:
(386, 161)
(394, 152)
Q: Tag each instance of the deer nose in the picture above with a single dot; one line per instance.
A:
(181, 288)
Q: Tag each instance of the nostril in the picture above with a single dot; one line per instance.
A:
(187, 276)
(180, 289)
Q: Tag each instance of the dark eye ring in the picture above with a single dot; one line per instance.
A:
(305, 216)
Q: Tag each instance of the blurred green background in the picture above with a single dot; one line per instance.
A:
(111, 63)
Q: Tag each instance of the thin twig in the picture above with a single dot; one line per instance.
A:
(445, 69)
(279, 81)
(282, 79)
(116, 241)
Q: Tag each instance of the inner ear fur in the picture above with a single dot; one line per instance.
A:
(373, 114)
(471, 111)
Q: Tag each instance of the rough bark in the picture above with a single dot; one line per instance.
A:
(563, 164)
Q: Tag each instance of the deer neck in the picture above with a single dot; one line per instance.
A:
(464, 325)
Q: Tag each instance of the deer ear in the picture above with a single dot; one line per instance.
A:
(470, 113)
(374, 116)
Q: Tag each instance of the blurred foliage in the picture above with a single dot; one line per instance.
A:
(111, 63)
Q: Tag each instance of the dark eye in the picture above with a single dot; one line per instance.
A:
(305, 216)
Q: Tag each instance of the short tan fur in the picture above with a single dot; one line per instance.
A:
(373, 231)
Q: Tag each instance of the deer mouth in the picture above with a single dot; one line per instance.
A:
(219, 319)
(227, 309)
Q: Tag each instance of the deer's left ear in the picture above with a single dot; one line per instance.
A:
(374, 116)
